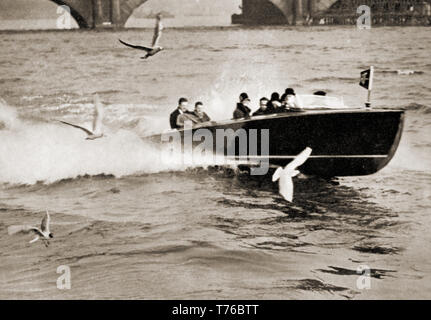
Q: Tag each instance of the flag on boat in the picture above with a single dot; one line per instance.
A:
(367, 79)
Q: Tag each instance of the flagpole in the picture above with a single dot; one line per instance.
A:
(370, 88)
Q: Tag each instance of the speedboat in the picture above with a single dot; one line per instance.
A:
(345, 141)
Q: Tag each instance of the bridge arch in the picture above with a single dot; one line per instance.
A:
(285, 7)
(94, 13)
(77, 12)
(127, 8)
(263, 11)
(293, 9)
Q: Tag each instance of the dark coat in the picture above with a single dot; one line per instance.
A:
(270, 108)
(260, 112)
(241, 111)
(173, 119)
(203, 118)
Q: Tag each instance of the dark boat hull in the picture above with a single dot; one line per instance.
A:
(344, 142)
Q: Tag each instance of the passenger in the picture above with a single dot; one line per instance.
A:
(275, 98)
(242, 110)
(289, 91)
(282, 106)
(320, 93)
(180, 115)
(199, 114)
(276, 106)
(289, 102)
(263, 107)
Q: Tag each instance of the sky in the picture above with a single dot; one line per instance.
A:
(45, 9)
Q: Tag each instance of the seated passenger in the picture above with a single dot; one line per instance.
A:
(283, 104)
(292, 102)
(180, 115)
(242, 110)
(289, 102)
(289, 91)
(272, 104)
(275, 96)
(320, 93)
(199, 114)
(276, 106)
(263, 107)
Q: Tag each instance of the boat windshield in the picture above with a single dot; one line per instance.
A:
(319, 102)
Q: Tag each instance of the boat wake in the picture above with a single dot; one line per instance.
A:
(33, 152)
(403, 72)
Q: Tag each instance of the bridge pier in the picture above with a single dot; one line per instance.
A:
(276, 11)
(298, 12)
(106, 13)
(116, 12)
(97, 13)
(101, 13)
(311, 4)
(297, 15)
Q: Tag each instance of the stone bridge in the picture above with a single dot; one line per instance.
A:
(280, 11)
(114, 13)
(383, 12)
(101, 13)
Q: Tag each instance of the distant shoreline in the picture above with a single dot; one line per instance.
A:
(77, 30)
(175, 22)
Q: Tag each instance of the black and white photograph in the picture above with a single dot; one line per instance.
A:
(215, 150)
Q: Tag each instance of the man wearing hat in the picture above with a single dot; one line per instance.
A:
(289, 101)
(273, 103)
(263, 107)
(242, 110)
(320, 93)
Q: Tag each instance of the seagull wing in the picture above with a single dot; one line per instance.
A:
(286, 187)
(277, 174)
(76, 126)
(11, 230)
(299, 159)
(34, 240)
(45, 223)
(157, 33)
(136, 47)
(98, 115)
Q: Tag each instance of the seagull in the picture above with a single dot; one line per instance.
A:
(97, 121)
(155, 48)
(284, 176)
(43, 232)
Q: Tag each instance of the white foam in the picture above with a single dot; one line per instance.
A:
(48, 152)
(8, 115)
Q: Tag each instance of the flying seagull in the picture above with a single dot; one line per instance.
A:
(97, 121)
(43, 232)
(155, 48)
(284, 176)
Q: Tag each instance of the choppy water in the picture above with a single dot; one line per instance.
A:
(131, 227)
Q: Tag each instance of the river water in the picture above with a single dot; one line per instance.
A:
(132, 227)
